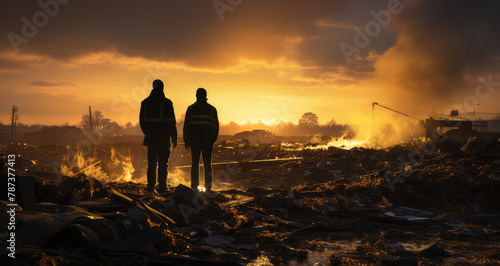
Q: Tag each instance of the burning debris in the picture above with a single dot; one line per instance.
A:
(341, 142)
(332, 202)
(120, 165)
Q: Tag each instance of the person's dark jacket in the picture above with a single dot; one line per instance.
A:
(201, 125)
(157, 119)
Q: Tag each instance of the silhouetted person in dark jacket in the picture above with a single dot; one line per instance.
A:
(157, 120)
(201, 129)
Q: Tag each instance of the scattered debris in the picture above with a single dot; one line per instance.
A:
(434, 250)
(357, 206)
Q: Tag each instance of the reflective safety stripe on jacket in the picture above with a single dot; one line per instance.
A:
(157, 119)
(202, 119)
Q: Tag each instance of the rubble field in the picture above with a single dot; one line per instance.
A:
(420, 203)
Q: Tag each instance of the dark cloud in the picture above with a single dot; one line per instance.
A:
(11, 66)
(440, 43)
(188, 31)
(434, 43)
(38, 83)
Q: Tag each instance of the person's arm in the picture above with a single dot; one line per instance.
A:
(174, 129)
(217, 125)
(185, 129)
(141, 115)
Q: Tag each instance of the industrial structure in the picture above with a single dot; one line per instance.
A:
(434, 126)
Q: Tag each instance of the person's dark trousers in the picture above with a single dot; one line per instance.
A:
(158, 155)
(207, 164)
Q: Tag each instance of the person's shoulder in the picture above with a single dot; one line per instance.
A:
(211, 106)
(189, 108)
(167, 100)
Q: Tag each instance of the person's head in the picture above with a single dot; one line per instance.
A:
(201, 94)
(158, 85)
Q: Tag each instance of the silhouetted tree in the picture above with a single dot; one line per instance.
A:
(331, 123)
(97, 122)
(309, 120)
(110, 127)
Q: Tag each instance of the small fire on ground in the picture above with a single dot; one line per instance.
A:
(340, 142)
(118, 168)
(119, 165)
(346, 144)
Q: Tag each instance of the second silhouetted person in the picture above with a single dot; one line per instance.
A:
(201, 129)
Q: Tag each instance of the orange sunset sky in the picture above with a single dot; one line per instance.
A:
(268, 60)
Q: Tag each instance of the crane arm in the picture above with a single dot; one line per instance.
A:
(375, 103)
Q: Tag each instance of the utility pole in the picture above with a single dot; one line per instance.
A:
(90, 118)
(373, 115)
(13, 122)
(17, 124)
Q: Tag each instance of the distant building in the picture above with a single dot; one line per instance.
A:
(493, 125)
(486, 125)
(480, 125)
(54, 135)
(255, 136)
(4, 132)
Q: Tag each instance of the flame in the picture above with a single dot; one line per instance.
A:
(120, 167)
(346, 144)
(177, 177)
(341, 143)
(75, 163)
(201, 189)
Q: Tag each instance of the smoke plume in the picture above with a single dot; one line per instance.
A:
(442, 47)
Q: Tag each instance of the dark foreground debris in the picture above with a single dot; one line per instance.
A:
(343, 207)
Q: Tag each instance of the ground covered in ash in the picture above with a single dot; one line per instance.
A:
(417, 203)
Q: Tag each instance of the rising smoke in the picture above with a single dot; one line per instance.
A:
(441, 48)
